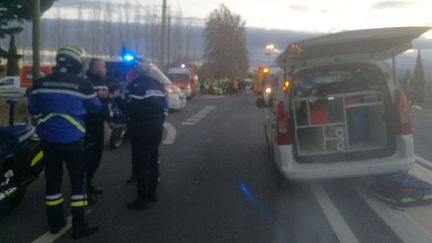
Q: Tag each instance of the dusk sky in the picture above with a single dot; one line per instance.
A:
(314, 16)
(306, 15)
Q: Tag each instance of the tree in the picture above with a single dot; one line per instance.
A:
(12, 57)
(419, 80)
(12, 14)
(225, 44)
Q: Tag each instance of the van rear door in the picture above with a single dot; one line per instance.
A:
(377, 44)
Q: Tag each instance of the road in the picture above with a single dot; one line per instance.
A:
(422, 125)
(217, 185)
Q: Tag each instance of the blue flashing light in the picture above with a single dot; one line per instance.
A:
(128, 57)
(183, 65)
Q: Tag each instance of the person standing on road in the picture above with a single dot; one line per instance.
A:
(59, 103)
(146, 108)
(95, 126)
(236, 86)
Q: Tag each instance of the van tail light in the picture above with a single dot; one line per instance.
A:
(282, 125)
(404, 116)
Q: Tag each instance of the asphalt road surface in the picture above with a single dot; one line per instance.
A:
(217, 185)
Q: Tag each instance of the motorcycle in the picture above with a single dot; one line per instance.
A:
(118, 125)
(21, 160)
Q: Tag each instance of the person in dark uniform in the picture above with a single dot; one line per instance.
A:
(58, 104)
(95, 126)
(146, 103)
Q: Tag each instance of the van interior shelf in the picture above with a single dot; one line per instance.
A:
(339, 123)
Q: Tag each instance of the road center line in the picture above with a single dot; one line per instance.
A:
(188, 123)
(194, 119)
(337, 222)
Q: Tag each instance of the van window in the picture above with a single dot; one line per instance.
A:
(159, 75)
(7, 82)
(321, 83)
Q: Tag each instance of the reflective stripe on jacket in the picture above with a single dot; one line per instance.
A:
(60, 102)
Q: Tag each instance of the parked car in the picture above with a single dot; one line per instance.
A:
(10, 86)
(337, 111)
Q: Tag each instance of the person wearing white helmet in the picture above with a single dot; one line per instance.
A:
(58, 103)
(146, 105)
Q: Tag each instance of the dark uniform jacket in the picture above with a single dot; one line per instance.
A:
(59, 103)
(146, 99)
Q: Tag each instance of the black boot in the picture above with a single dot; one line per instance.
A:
(137, 204)
(80, 228)
(81, 232)
(56, 218)
(55, 229)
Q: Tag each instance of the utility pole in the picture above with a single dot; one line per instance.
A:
(163, 36)
(169, 42)
(36, 40)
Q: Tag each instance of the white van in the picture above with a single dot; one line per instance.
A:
(337, 111)
(10, 86)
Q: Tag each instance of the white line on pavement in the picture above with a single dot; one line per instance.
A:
(401, 223)
(188, 123)
(337, 222)
(171, 133)
(199, 116)
(48, 237)
(424, 162)
(194, 119)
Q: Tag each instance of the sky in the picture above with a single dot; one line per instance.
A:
(306, 15)
(313, 16)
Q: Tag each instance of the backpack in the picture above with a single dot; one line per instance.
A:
(402, 190)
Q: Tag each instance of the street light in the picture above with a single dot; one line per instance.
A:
(269, 48)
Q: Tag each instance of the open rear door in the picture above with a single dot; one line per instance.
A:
(378, 44)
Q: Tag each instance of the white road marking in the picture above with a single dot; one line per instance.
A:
(401, 223)
(424, 162)
(337, 222)
(48, 237)
(199, 115)
(188, 123)
(194, 119)
(171, 133)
